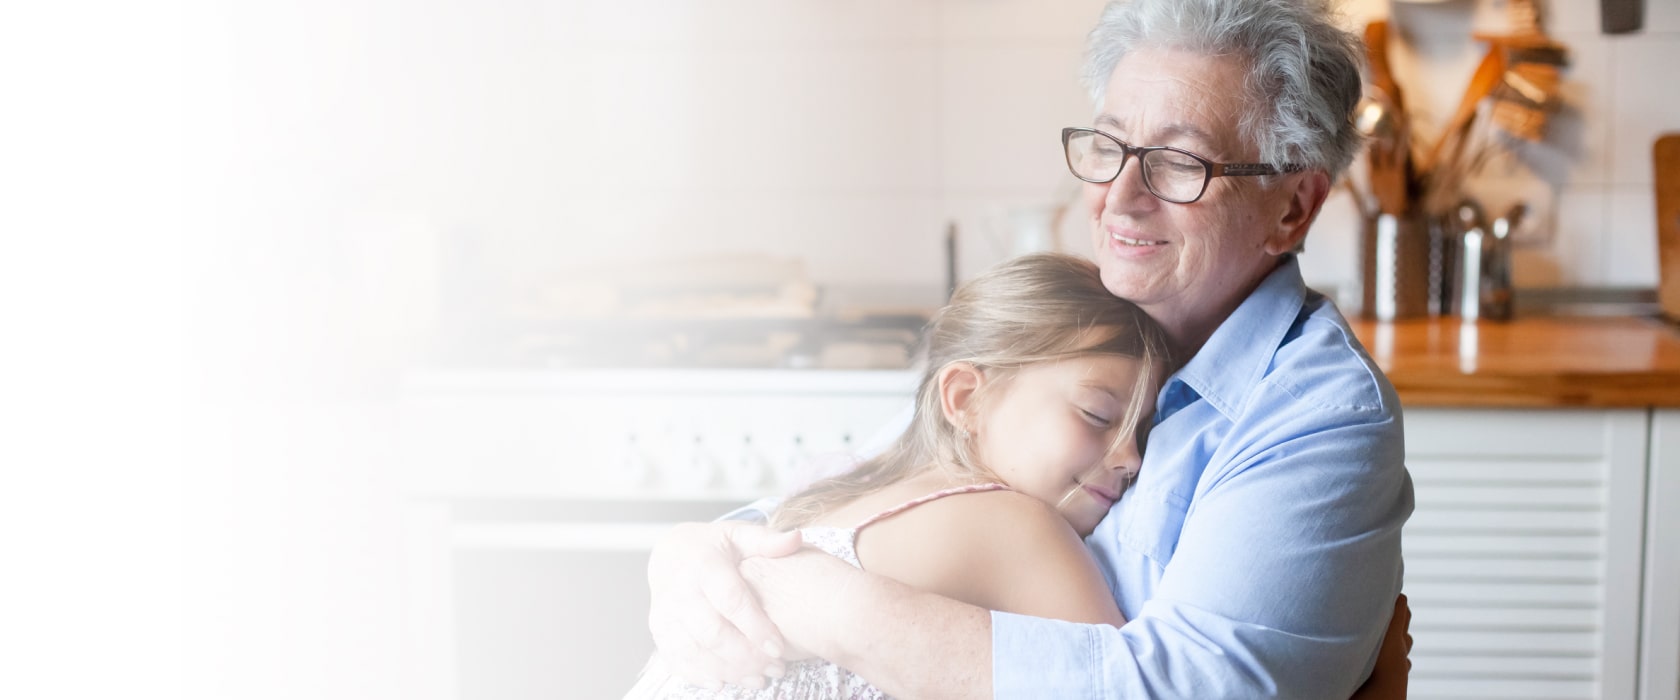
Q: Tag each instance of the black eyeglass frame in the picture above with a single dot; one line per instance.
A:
(1210, 169)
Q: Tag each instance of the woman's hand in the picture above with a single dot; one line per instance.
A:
(801, 593)
(707, 624)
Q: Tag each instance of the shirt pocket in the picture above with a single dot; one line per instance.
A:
(1153, 524)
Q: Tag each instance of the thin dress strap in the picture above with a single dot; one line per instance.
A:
(936, 495)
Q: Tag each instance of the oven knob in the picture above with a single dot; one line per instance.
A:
(631, 466)
(747, 469)
(792, 470)
(692, 470)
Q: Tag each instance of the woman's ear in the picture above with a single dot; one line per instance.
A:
(1311, 188)
(959, 383)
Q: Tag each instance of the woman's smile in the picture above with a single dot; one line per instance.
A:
(1124, 240)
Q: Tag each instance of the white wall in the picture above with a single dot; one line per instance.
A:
(380, 142)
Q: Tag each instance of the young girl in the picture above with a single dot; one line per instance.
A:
(1028, 425)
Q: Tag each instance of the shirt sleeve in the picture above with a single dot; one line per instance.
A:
(1281, 585)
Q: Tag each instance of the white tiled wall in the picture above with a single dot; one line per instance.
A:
(554, 133)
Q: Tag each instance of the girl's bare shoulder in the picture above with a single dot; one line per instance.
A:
(982, 524)
(1002, 550)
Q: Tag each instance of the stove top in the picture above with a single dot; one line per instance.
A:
(884, 341)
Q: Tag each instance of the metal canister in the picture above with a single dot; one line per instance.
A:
(1466, 292)
(1394, 266)
(1483, 288)
(1498, 303)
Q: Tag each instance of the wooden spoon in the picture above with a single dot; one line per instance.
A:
(1390, 150)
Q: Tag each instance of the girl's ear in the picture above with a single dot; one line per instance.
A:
(959, 383)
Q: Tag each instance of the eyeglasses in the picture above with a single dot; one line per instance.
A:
(1173, 174)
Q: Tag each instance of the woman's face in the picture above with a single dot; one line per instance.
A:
(1187, 265)
(1052, 431)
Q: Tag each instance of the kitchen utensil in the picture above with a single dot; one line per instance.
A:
(1443, 265)
(1529, 92)
(1376, 54)
(1466, 279)
(1496, 291)
(1523, 15)
(1666, 162)
(1530, 87)
(1447, 161)
(1621, 16)
(1390, 150)
(1484, 263)
(1394, 266)
(1375, 122)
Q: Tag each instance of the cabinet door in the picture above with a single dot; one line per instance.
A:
(1523, 557)
(1659, 665)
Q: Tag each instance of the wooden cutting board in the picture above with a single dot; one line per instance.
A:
(1666, 160)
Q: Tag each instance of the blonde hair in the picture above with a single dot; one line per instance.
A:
(1032, 309)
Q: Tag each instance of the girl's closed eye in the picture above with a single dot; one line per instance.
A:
(1095, 418)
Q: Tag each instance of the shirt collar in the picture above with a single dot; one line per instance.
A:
(1234, 358)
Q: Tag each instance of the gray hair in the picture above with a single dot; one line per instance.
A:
(1303, 81)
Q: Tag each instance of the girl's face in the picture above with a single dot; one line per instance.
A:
(1052, 430)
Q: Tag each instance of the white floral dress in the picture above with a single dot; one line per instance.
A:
(813, 679)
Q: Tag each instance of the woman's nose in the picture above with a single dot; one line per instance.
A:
(1127, 190)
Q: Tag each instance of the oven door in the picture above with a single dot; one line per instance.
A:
(544, 598)
(536, 498)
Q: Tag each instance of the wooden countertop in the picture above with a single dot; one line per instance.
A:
(1538, 362)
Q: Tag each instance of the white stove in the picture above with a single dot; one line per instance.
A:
(540, 492)
(641, 435)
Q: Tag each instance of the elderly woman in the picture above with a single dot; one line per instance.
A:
(1258, 554)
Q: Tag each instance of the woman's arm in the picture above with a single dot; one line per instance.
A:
(917, 623)
(704, 620)
(909, 643)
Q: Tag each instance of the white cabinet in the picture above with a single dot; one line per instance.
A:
(1528, 560)
(1659, 657)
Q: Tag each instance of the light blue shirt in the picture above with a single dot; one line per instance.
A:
(1258, 554)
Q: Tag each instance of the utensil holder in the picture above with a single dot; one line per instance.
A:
(1394, 266)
